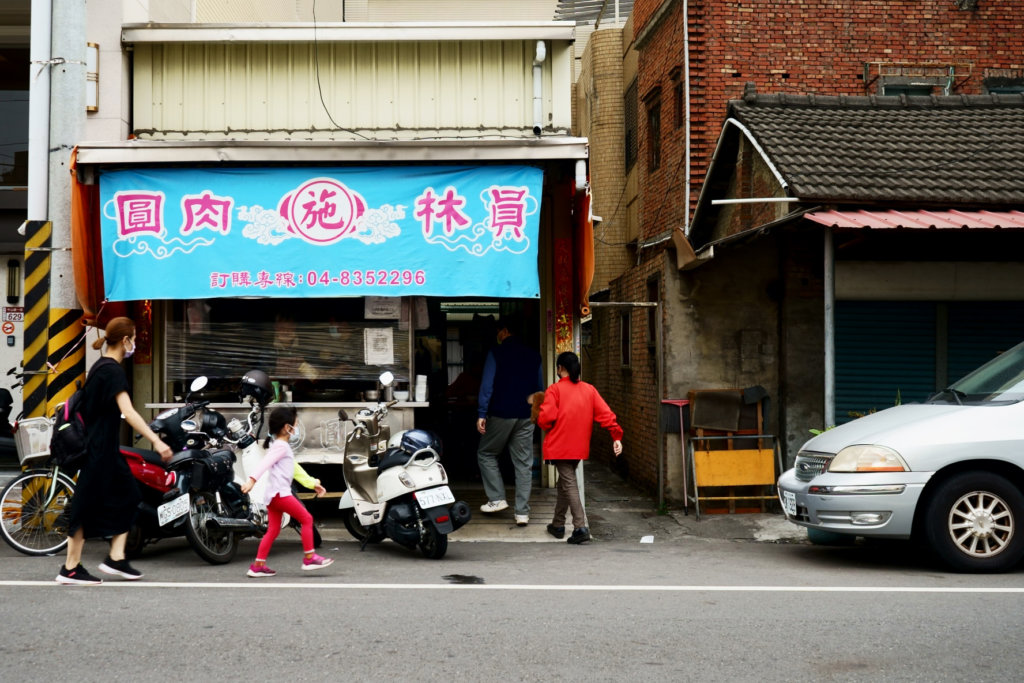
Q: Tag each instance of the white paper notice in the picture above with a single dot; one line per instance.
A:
(382, 307)
(378, 346)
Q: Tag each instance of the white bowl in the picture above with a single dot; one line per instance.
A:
(402, 395)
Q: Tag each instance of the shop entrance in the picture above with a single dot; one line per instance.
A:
(451, 353)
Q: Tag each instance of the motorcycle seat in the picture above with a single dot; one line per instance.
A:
(152, 457)
(393, 458)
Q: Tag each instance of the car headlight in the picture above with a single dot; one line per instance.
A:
(867, 459)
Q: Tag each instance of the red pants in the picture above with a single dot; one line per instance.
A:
(299, 513)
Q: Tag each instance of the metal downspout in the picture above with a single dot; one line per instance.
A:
(830, 327)
(39, 112)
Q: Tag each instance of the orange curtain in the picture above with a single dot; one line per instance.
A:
(86, 251)
(584, 221)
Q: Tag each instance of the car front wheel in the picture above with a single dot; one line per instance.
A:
(973, 523)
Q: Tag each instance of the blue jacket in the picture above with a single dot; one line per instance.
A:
(512, 372)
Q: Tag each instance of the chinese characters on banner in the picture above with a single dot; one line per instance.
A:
(292, 232)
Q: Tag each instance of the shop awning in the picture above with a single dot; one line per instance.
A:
(922, 219)
(132, 152)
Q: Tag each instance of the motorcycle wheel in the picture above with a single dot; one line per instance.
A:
(317, 539)
(135, 542)
(434, 544)
(358, 531)
(213, 545)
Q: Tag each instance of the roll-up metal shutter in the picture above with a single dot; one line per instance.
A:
(885, 353)
(980, 330)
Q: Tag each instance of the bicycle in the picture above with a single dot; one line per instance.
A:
(35, 505)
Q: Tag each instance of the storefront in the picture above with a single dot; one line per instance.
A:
(326, 264)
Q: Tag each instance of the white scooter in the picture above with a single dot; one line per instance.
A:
(395, 485)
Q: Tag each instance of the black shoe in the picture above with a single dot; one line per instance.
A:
(581, 535)
(78, 575)
(120, 568)
(556, 531)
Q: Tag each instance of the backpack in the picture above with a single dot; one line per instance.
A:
(67, 443)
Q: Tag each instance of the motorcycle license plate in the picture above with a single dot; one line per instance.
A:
(168, 512)
(431, 498)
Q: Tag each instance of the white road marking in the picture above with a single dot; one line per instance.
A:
(264, 584)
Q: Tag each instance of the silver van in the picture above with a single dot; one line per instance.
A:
(948, 472)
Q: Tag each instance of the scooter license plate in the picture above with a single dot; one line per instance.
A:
(168, 512)
(431, 498)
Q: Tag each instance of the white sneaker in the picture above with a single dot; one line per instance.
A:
(493, 506)
(522, 520)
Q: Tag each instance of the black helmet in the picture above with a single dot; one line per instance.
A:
(256, 383)
(415, 439)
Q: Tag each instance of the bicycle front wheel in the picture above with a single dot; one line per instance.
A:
(34, 511)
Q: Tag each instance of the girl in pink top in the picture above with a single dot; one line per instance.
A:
(279, 464)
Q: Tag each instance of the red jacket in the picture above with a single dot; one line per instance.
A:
(569, 412)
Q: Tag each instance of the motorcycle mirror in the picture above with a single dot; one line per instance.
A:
(342, 415)
(199, 383)
(387, 378)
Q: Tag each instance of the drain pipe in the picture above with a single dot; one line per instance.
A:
(538, 87)
(686, 115)
(39, 113)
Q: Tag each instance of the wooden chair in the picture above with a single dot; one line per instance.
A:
(728, 449)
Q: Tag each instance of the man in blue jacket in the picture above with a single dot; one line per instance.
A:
(512, 372)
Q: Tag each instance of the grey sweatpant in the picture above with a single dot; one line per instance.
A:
(518, 434)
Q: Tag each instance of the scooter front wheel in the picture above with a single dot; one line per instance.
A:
(434, 544)
(213, 545)
(358, 531)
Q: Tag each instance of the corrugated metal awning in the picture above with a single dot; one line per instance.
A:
(347, 32)
(1013, 220)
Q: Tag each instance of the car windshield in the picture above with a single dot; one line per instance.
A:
(1001, 380)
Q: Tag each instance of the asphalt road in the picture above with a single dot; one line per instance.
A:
(698, 609)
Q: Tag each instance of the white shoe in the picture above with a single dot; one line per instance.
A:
(522, 520)
(493, 506)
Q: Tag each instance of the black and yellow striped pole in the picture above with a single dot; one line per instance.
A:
(53, 358)
(38, 237)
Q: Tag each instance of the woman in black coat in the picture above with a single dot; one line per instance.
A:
(107, 498)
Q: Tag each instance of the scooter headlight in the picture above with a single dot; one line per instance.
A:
(406, 480)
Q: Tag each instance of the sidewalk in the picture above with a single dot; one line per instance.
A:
(617, 511)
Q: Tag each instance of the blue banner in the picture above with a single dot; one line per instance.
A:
(321, 232)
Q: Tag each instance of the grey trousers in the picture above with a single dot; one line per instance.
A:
(568, 496)
(518, 434)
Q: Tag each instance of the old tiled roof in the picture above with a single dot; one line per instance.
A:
(946, 150)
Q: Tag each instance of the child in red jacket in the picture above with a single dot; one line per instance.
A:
(567, 414)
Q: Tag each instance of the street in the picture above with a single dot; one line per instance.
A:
(693, 609)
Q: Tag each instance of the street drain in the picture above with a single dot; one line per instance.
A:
(462, 578)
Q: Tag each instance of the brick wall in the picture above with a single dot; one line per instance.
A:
(818, 46)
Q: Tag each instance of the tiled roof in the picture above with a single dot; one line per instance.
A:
(949, 150)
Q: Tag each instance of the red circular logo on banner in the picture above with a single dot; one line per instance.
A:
(322, 211)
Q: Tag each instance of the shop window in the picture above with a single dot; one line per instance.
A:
(320, 352)
(630, 102)
(625, 338)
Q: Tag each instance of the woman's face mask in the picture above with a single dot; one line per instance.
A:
(128, 352)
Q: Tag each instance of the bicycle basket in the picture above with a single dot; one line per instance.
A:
(32, 440)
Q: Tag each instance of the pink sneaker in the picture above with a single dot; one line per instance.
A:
(315, 562)
(259, 571)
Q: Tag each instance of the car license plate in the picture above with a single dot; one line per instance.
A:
(168, 512)
(431, 498)
(789, 503)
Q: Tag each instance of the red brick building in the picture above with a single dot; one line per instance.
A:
(680, 92)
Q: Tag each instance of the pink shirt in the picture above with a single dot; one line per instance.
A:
(280, 461)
